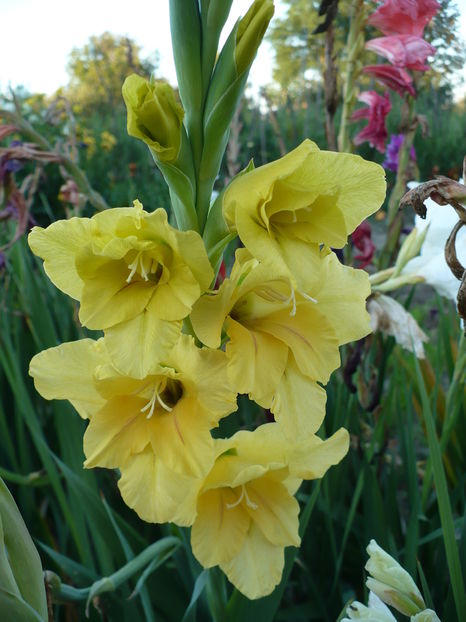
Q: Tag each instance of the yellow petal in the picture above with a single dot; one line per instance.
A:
(107, 299)
(157, 494)
(360, 187)
(67, 373)
(139, 345)
(218, 532)
(116, 432)
(342, 299)
(303, 260)
(258, 567)
(298, 403)
(309, 337)
(209, 313)
(204, 377)
(181, 438)
(58, 246)
(251, 188)
(256, 360)
(192, 250)
(275, 512)
(312, 459)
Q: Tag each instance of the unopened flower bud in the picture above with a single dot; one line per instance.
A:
(251, 30)
(410, 248)
(154, 116)
(426, 616)
(391, 582)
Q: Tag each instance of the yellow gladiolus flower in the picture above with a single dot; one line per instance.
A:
(122, 263)
(246, 511)
(154, 115)
(308, 197)
(279, 339)
(161, 422)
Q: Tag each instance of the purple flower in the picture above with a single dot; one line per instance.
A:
(392, 151)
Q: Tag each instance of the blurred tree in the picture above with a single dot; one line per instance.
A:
(443, 34)
(299, 53)
(98, 70)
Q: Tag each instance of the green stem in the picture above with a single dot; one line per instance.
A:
(165, 548)
(351, 72)
(408, 127)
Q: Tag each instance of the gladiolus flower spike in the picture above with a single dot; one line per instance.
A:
(175, 353)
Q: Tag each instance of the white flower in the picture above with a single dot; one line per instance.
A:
(392, 318)
(376, 611)
(431, 264)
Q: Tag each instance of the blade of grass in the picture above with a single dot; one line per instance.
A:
(446, 516)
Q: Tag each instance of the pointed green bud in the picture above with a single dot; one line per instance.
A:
(251, 30)
(392, 584)
(154, 116)
(410, 248)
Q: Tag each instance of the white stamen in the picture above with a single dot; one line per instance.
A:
(244, 494)
(162, 404)
(150, 404)
(292, 299)
(307, 297)
(138, 260)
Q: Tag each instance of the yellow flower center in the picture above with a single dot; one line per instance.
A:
(146, 267)
(165, 394)
(273, 295)
(243, 495)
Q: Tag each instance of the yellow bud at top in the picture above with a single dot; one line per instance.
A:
(251, 30)
(154, 115)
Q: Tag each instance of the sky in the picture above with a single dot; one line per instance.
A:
(38, 35)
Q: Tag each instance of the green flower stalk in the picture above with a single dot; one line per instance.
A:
(354, 47)
(225, 90)
(408, 129)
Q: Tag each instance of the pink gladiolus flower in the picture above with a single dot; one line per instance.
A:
(395, 78)
(362, 240)
(375, 132)
(404, 17)
(406, 51)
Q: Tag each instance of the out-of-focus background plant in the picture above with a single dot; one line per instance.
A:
(403, 481)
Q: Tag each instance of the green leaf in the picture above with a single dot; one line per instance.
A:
(23, 557)
(446, 517)
(199, 586)
(14, 608)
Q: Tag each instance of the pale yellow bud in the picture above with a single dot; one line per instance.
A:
(391, 582)
(154, 116)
